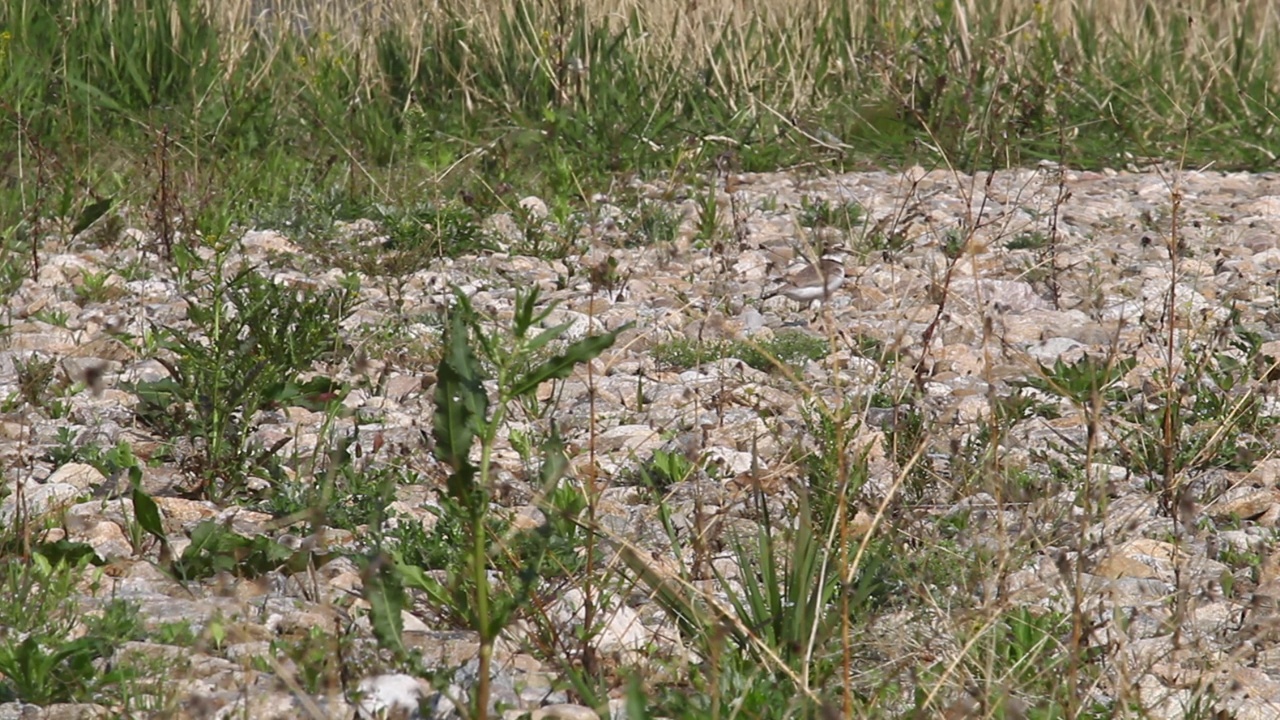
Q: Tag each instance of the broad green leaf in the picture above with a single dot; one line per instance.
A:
(204, 534)
(91, 646)
(99, 96)
(215, 548)
(461, 402)
(147, 513)
(69, 553)
(317, 394)
(527, 313)
(561, 365)
(267, 554)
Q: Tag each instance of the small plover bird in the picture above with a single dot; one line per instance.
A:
(812, 283)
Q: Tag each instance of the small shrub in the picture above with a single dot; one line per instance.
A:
(253, 341)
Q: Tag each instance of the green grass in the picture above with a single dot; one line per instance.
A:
(105, 105)
(51, 649)
(789, 349)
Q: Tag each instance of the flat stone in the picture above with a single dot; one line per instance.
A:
(79, 475)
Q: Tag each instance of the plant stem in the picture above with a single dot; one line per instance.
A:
(479, 557)
(482, 616)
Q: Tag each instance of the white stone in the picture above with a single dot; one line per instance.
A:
(384, 694)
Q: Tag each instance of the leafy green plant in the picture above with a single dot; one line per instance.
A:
(464, 416)
(1029, 643)
(96, 287)
(321, 658)
(177, 632)
(1240, 559)
(789, 348)
(416, 234)
(781, 642)
(36, 375)
(39, 386)
(40, 660)
(1229, 427)
(1028, 241)
(254, 339)
(818, 212)
(552, 546)
(216, 548)
(665, 469)
(13, 266)
(708, 220)
(409, 238)
(788, 598)
(833, 469)
(56, 317)
(1081, 381)
(67, 673)
(651, 223)
(545, 237)
(1021, 654)
(683, 353)
(108, 461)
(349, 494)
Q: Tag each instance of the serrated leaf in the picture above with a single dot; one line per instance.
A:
(90, 215)
(461, 485)
(559, 367)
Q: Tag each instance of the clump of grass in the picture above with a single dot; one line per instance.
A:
(818, 212)
(53, 652)
(407, 239)
(652, 223)
(787, 348)
(1028, 241)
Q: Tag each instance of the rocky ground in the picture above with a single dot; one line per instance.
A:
(968, 301)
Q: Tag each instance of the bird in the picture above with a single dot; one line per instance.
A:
(812, 283)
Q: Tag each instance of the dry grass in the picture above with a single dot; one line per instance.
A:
(787, 45)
